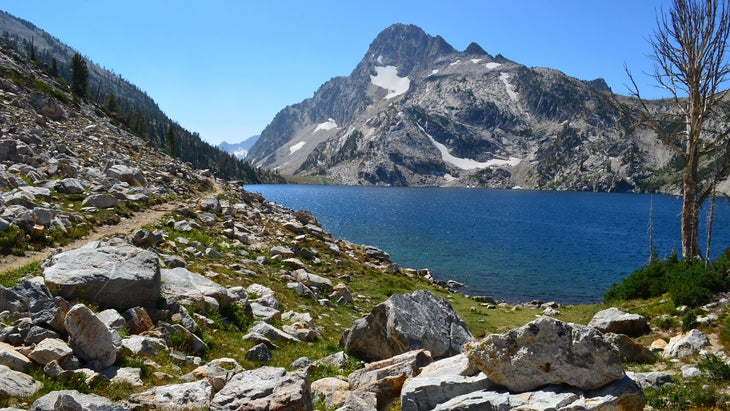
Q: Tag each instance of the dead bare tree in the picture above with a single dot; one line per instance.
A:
(689, 48)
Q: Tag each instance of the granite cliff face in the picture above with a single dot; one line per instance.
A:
(417, 112)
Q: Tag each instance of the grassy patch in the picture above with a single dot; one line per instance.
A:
(11, 278)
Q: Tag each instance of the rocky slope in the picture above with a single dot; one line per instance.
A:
(415, 112)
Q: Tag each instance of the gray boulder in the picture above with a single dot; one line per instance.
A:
(613, 320)
(440, 381)
(11, 301)
(259, 352)
(622, 394)
(269, 332)
(312, 280)
(69, 186)
(51, 313)
(547, 351)
(211, 204)
(74, 400)
(100, 201)
(13, 359)
(114, 274)
(50, 349)
(189, 288)
(265, 388)
(407, 322)
(14, 384)
(91, 340)
(654, 379)
(126, 174)
(144, 345)
(188, 396)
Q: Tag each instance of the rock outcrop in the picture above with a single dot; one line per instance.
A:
(407, 322)
(547, 351)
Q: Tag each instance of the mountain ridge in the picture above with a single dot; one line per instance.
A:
(417, 112)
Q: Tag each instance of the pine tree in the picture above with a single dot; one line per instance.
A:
(54, 67)
(171, 140)
(111, 106)
(79, 76)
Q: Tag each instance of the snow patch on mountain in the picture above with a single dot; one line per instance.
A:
(387, 77)
(510, 88)
(293, 149)
(476, 61)
(330, 124)
(492, 65)
(467, 163)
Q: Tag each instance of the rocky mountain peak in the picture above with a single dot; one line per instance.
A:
(475, 50)
(405, 46)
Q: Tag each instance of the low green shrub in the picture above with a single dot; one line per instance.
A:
(688, 282)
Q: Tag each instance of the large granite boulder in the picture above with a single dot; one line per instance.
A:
(189, 288)
(113, 274)
(613, 320)
(547, 351)
(265, 388)
(90, 339)
(407, 322)
(619, 395)
(440, 381)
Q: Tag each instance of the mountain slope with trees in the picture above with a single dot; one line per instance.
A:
(126, 103)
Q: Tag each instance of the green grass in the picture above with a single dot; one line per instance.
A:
(11, 278)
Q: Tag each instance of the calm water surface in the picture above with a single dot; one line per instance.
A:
(513, 245)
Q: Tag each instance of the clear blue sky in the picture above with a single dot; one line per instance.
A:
(224, 68)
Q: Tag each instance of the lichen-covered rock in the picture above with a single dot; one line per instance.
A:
(406, 322)
(547, 351)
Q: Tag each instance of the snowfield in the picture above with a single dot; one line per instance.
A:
(467, 163)
(492, 65)
(326, 126)
(510, 89)
(387, 78)
(293, 149)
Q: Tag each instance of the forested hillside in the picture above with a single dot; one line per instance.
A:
(126, 103)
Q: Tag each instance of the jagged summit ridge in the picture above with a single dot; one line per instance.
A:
(417, 112)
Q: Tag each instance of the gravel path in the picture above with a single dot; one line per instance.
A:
(125, 226)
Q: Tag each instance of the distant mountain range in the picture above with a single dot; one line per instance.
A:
(417, 112)
(240, 150)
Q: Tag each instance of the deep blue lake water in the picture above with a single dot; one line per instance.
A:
(513, 245)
